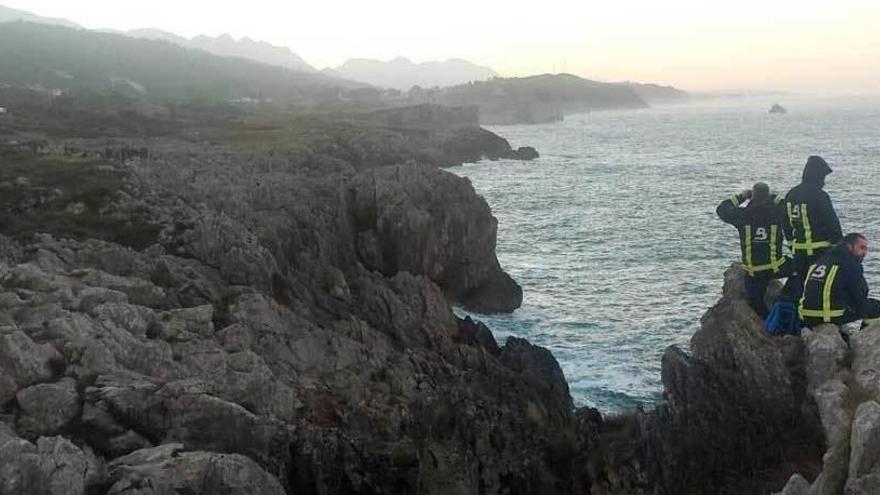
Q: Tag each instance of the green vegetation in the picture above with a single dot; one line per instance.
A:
(67, 198)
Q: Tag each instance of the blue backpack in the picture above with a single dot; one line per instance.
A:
(783, 320)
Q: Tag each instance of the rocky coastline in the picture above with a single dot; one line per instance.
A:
(285, 325)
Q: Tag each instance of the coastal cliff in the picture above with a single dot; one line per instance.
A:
(286, 327)
(232, 320)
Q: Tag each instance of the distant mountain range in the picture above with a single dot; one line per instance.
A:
(399, 73)
(11, 15)
(402, 74)
(226, 46)
(156, 65)
(82, 62)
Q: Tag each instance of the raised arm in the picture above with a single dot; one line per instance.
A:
(729, 210)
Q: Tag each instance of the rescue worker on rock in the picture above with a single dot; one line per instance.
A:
(835, 290)
(761, 225)
(813, 226)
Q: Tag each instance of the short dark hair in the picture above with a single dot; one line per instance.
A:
(853, 237)
(760, 193)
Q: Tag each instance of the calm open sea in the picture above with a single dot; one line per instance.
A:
(612, 232)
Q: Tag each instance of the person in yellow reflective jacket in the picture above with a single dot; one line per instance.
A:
(761, 225)
(835, 290)
(813, 226)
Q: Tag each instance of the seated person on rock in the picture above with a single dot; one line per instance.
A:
(761, 225)
(835, 290)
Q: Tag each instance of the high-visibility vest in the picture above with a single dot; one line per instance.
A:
(799, 218)
(762, 248)
(821, 297)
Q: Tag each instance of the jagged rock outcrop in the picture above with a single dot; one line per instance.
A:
(432, 224)
(736, 415)
(311, 352)
(843, 385)
(747, 413)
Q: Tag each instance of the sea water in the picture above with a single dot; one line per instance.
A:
(612, 232)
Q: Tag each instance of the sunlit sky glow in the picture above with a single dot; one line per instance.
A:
(796, 45)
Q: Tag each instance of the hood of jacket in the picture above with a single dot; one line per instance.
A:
(815, 171)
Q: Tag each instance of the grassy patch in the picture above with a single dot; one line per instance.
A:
(66, 198)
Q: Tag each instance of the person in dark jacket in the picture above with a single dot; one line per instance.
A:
(813, 226)
(761, 227)
(835, 290)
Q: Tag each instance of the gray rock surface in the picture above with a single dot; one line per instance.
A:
(865, 442)
(278, 351)
(167, 469)
(797, 485)
(47, 408)
(736, 414)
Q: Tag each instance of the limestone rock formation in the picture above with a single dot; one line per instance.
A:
(233, 358)
(735, 418)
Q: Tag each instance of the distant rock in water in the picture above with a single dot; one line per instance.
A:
(526, 153)
(777, 108)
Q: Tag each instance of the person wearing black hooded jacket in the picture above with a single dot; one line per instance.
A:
(761, 225)
(813, 226)
(835, 290)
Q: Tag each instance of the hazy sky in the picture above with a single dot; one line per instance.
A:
(800, 45)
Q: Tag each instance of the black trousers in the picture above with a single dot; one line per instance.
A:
(756, 287)
(870, 311)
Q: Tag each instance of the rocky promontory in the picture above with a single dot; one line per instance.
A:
(267, 307)
(748, 413)
(288, 329)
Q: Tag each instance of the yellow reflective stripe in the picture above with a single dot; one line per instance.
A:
(809, 246)
(769, 266)
(773, 258)
(826, 313)
(821, 313)
(749, 248)
(777, 199)
(826, 294)
(775, 261)
(808, 230)
(801, 311)
(735, 200)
